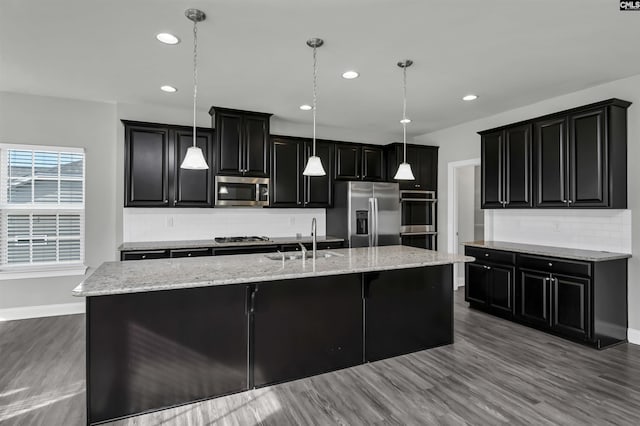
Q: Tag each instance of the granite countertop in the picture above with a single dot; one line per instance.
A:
(567, 253)
(166, 274)
(186, 244)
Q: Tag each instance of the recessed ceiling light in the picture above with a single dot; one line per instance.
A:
(350, 75)
(167, 38)
(168, 89)
(306, 107)
(470, 97)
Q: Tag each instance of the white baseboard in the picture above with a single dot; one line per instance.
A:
(633, 336)
(458, 282)
(24, 312)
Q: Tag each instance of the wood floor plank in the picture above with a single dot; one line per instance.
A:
(497, 372)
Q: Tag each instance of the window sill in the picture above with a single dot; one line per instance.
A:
(17, 273)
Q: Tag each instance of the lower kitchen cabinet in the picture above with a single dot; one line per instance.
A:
(400, 305)
(304, 327)
(580, 300)
(147, 351)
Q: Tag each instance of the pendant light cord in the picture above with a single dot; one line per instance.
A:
(404, 111)
(195, 77)
(315, 88)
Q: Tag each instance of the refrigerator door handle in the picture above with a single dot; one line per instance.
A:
(376, 230)
(372, 224)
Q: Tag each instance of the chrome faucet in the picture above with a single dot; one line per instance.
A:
(313, 235)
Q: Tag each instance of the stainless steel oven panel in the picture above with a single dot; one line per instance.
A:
(417, 229)
(256, 202)
(414, 195)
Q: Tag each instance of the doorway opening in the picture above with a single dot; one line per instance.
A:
(465, 216)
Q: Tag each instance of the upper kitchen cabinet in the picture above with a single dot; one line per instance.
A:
(359, 162)
(242, 140)
(424, 165)
(581, 157)
(506, 168)
(574, 158)
(289, 187)
(153, 177)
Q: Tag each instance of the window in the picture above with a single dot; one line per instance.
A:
(41, 210)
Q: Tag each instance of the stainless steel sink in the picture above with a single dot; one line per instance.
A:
(297, 255)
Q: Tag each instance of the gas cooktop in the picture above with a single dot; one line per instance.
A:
(240, 239)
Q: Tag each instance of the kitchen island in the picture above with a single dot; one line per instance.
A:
(166, 332)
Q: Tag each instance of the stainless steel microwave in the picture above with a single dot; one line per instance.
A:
(241, 191)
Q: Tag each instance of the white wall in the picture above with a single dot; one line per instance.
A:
(147, 224)
(39, 120)
(462, 142)
(465, 177)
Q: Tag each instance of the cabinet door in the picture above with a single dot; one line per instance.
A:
(501, 288)
(571, 306)
(588, 160)
(533, 298)
(229, 138)
(347, 162)
(318, 190)
(407, 310)
(286, 173)
(551, 163)
(373, 163)
(476, 288)
(192, 188)
(147, 162)
(427, 168)
(304, 327)
(517, 154)
(256, 146)
(492, 150)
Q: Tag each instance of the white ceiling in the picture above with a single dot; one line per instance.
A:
(253, 54)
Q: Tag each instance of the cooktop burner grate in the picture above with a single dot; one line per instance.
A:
(240, 239)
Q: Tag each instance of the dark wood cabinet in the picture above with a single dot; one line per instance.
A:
(242, 140)
(580, 300)
(506, 168)
(153, 177)
(573, 158)
(359, 162)
(533, 298)
(295, 334)
(489, 281)
(348, 162)
(192, 188)
(289, 187)
(147, 165)
(424, 165)
(399, 303)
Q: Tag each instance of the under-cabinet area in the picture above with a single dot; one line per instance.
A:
(577, 294)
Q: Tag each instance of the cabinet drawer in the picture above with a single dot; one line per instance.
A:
(244, 250)
(555, 265)
(485, 255)
(144, 255)
(191, 252)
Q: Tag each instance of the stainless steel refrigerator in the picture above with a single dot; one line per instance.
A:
(365, 214)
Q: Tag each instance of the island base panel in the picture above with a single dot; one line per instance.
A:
(407, 310)
(147, 351)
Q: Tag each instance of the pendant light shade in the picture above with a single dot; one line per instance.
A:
(314, 163)
(404, 169)
(404, 172)
(194, 159)
(314, 167)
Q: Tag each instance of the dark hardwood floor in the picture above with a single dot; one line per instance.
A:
(496, 372)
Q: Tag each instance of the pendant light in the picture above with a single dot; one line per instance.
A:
(194, 159)
(314, 164)
(404, 169)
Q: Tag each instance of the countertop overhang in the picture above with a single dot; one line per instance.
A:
(562, 252)
(112, 278)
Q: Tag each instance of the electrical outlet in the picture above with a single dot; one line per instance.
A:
(170, 222)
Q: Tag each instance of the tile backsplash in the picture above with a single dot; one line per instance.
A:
(602, 230)
(168, 224)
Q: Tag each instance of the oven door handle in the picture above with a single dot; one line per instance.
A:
(423, 200)
(402, 234)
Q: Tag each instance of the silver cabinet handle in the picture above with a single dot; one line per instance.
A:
(570, 201)
(486, 255)
(487, 267)
(144, 256)
(550, 264)
(565, 201)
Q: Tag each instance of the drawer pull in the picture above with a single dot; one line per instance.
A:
(486, 255)
(550, 264)
(487, 267)
(189, 255)
(144, 256)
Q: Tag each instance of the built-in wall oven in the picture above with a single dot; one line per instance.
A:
(241, 191)
(418, 219)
